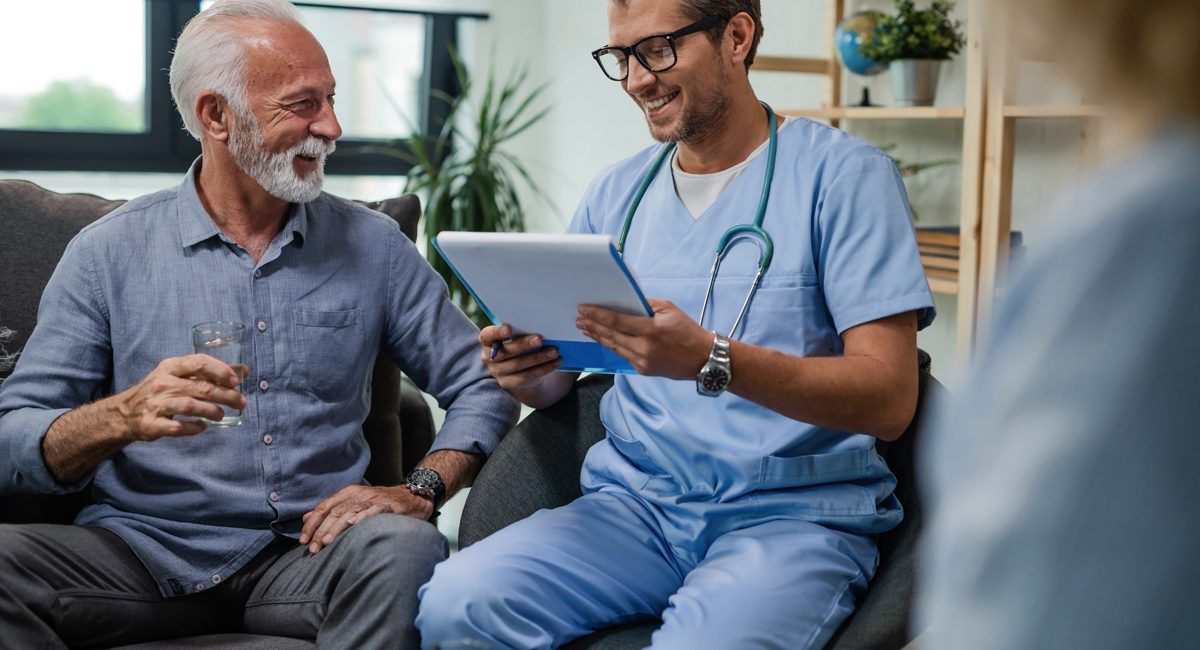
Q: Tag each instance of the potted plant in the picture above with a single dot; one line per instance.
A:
(467, 178)
(915, 42)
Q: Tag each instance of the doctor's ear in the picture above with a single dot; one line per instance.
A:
(740, 37)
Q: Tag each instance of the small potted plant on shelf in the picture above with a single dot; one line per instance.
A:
(915, 42)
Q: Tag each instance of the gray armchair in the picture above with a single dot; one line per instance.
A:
(537, 466)
(36, 225)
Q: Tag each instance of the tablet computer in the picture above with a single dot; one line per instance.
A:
(536, 282)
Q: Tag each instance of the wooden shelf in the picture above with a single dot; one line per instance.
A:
(793, 64)
(1055, 111)
(879, 113)
(943, 285)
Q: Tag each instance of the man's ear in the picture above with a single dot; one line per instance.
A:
(740, 32)
(215, 115)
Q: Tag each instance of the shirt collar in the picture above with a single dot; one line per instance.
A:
(195, 225)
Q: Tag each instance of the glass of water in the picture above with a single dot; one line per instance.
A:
(223, 340)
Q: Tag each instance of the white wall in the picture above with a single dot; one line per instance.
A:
(593, 123)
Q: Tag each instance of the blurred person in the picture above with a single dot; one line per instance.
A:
(268, 527)
(1064, 478)
(738, 493)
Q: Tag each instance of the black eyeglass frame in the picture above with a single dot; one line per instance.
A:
(632, 50)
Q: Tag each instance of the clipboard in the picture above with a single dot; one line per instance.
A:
(536, 282)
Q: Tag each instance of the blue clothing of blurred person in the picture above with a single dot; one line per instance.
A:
(1065, 476)
(268, 527)
(743, 513)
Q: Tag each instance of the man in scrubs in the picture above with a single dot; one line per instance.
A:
(743, 515)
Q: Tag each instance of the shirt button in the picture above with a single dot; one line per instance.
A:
(263, 385)
(258, 273)
(262, 325)
(267, 439)
(274, 496)
(200, 586)
(216, 579)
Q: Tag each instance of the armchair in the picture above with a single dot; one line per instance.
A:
(537, 466)
(37, 224)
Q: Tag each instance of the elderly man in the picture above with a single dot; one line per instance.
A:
(738, 493)
(268, 527)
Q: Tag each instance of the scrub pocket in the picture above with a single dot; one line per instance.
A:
(818, 485)
(789, 315)
(327, 342)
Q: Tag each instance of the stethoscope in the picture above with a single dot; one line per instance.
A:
(753, 232)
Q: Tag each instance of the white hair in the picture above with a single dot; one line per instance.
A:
(7, 359)
(210, 54)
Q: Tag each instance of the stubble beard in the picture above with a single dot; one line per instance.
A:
(699, 121)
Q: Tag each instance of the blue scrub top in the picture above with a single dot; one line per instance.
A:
(845, 254)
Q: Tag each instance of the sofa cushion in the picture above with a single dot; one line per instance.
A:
(37, 224)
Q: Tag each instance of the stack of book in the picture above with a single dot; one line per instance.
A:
(939, 255)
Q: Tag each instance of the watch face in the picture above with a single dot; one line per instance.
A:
(424, 478)
(715, 379)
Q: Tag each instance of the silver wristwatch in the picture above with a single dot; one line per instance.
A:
(715, 375)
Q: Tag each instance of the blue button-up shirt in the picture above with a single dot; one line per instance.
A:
(338, 284)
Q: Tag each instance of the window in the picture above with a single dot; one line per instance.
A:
(104, 92)
(98, 99)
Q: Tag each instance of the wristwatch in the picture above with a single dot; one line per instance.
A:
(715, 375)
(426, 482)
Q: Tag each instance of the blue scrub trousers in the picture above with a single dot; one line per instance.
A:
(603, 560)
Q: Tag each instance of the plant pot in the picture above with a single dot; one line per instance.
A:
(914, 81)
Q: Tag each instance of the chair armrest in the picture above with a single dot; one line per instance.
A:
(536, 465)
(399, 428)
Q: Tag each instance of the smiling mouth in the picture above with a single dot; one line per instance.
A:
(655, 104)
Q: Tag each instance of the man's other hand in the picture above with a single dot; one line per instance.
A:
(352, 504)
(668, 344)
(193, 386)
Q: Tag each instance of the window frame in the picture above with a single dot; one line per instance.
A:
(166, 147)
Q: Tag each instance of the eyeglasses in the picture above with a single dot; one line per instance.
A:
(655, 53)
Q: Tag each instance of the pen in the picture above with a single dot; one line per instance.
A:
(495, 349)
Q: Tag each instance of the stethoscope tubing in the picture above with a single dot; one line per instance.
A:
(752, 231)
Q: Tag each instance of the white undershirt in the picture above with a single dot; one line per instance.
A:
(699, 191)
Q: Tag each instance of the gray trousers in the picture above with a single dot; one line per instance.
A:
(81, 586)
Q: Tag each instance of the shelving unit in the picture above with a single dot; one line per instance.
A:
(988, 139)
(962, 281)
(881, 113)
(1004, 55)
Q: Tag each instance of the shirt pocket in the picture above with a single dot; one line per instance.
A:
(329, 346)
(790, 316)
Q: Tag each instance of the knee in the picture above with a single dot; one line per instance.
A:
(457, 601)
(397, 543)
(15, 547)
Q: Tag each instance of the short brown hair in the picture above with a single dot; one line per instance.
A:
(724, 10)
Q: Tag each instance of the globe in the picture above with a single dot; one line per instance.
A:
(854, 31)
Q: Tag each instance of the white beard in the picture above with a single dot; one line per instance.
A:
(274, 171)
